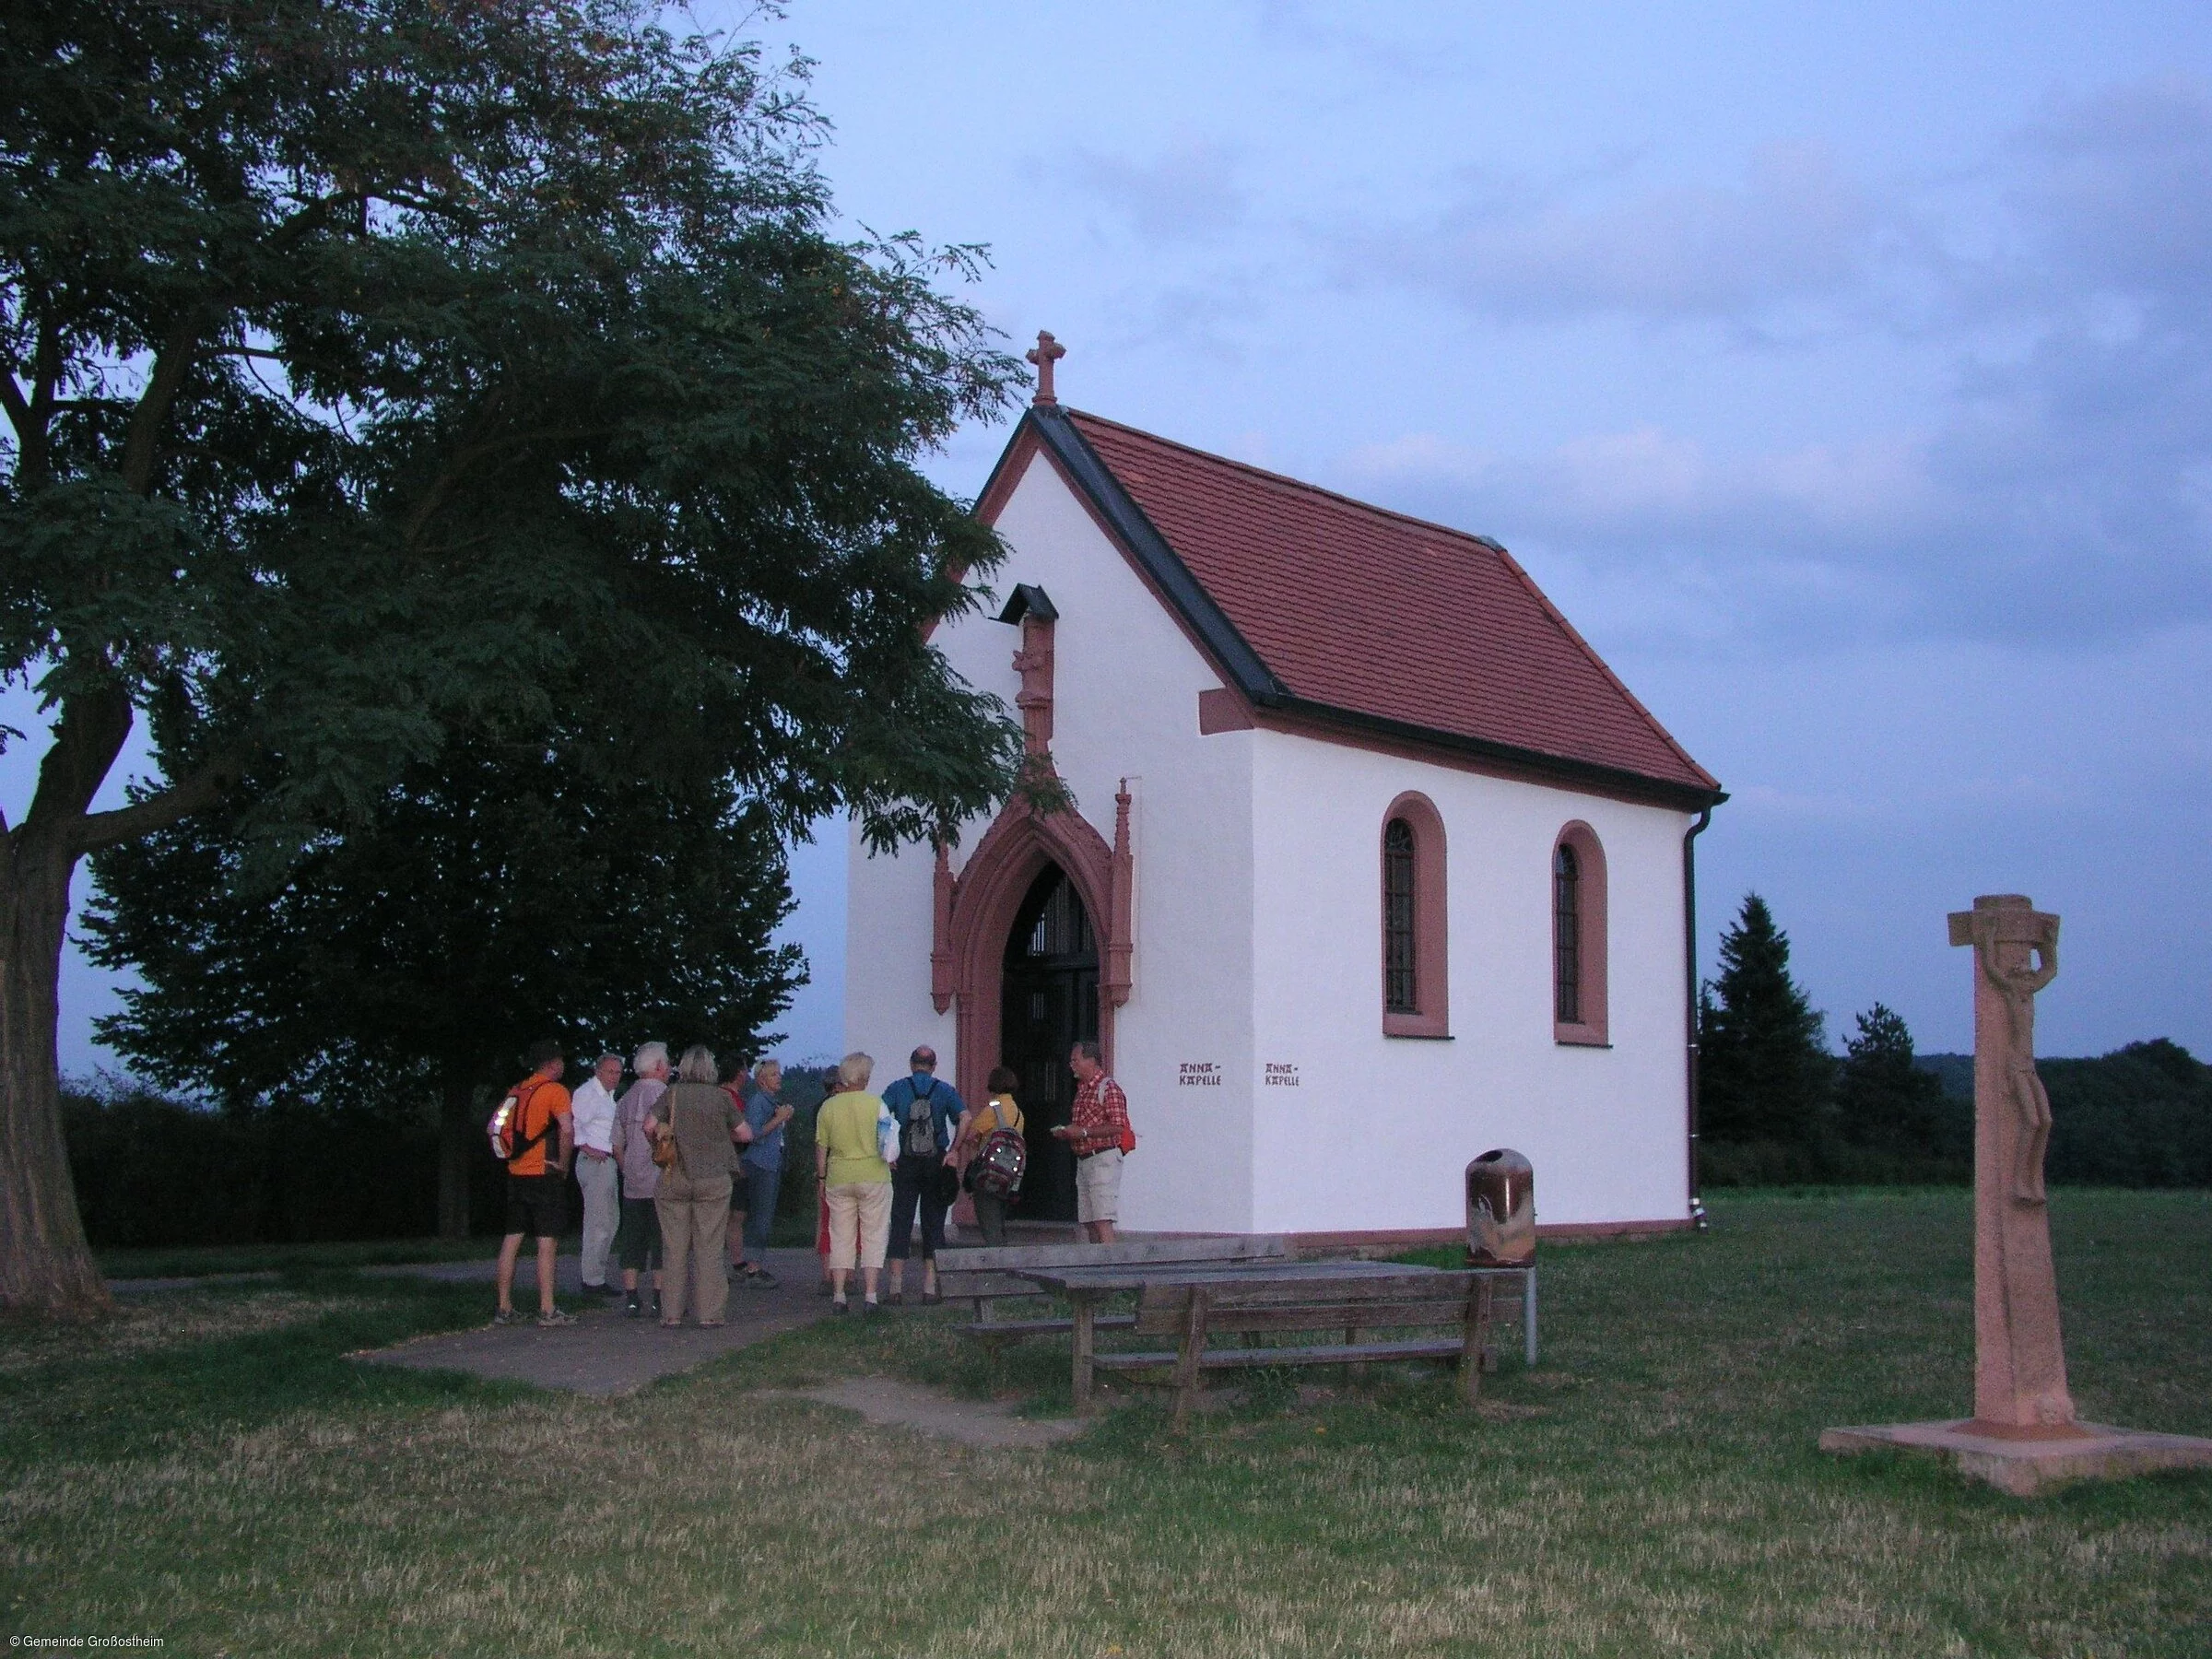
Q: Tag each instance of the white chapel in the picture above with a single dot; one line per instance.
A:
(1373, 864)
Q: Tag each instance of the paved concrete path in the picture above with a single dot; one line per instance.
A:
(603, 1352)
(141, 1287)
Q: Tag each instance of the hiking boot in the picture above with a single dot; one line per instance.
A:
(506, 1316)
(557, 1317)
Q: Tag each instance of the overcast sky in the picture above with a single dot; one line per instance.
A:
(1843, 373)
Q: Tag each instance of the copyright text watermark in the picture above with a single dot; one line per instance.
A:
(105, 1643)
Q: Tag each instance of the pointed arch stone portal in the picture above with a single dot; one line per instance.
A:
(974, 911)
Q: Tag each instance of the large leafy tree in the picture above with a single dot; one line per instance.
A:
(1763, 1066)
(371, 366)
(498, 897)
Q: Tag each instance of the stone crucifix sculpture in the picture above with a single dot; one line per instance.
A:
(2020, 1361)
(2023, 1436)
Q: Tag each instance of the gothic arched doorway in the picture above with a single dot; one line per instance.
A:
(1050, 1001)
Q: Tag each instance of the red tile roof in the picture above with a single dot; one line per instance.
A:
(1356, 609)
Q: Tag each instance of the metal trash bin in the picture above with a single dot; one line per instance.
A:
(1501, 1210)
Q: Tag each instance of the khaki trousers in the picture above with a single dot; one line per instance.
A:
(860, 1224)
(694, 1216)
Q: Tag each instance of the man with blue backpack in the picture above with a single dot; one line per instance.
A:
(928, 1112)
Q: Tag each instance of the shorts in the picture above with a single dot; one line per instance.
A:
(538, 1205)
(1099, 1185)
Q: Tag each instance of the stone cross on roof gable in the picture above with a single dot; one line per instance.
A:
(1046, 352)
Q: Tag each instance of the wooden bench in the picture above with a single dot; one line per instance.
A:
(1449, 1312)
(988, 1276)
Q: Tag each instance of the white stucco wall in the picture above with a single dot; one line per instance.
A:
(1125, 693)
(1378, 1129)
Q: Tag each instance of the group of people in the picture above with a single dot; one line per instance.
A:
(870, 1200)
(683, 1165)
(688, 1162)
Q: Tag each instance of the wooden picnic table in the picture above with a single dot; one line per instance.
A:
(1085, 1288)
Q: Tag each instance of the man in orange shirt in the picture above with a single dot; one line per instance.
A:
(537, 1186)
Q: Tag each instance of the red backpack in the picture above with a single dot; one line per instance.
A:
(998, 1166)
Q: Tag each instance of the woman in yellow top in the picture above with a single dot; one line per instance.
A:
(975, 1129)
(847, 1161)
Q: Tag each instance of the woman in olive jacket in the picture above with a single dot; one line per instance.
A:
(693, 1198)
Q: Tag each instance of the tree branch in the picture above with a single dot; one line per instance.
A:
(171, 366)
(197, 791)
(19, 411)
(28, 415)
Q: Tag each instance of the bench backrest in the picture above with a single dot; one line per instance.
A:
(1315, 1304)
(991, 1273)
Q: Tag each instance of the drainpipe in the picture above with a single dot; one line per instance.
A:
(1689, 973)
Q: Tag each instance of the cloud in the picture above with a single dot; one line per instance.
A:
(1795, 228)
(2058, 487)
(2116, 190)
(1187, 193)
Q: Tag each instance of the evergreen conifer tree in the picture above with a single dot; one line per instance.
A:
(1882, 1098)
(1764, 1071)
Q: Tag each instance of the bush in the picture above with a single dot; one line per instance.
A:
(156, 1171)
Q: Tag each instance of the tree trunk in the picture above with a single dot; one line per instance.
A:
(46, 1266)
(457, 1142)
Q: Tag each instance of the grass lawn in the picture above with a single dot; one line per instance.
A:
(212, 1471)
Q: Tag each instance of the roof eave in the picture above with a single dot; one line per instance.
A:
(1564, 770)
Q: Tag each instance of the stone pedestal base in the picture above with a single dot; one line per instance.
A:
(2028, 1468)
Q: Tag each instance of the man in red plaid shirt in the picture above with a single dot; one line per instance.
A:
(1097, 1130)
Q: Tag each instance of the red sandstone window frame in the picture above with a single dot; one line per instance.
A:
(1432, 1013)
(1592, 1029)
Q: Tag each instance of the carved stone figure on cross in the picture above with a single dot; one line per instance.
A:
(2016, 947)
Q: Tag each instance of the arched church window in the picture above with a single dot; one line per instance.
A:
(1401, 976)
(1578, 937)
(1566, 937)
(1415, 960)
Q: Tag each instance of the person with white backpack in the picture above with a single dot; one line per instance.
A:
(855, 1181)
(533, 1112)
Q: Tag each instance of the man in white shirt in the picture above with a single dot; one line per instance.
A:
(593, 1111)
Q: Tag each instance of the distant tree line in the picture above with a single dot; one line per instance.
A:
(1776, 1107)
